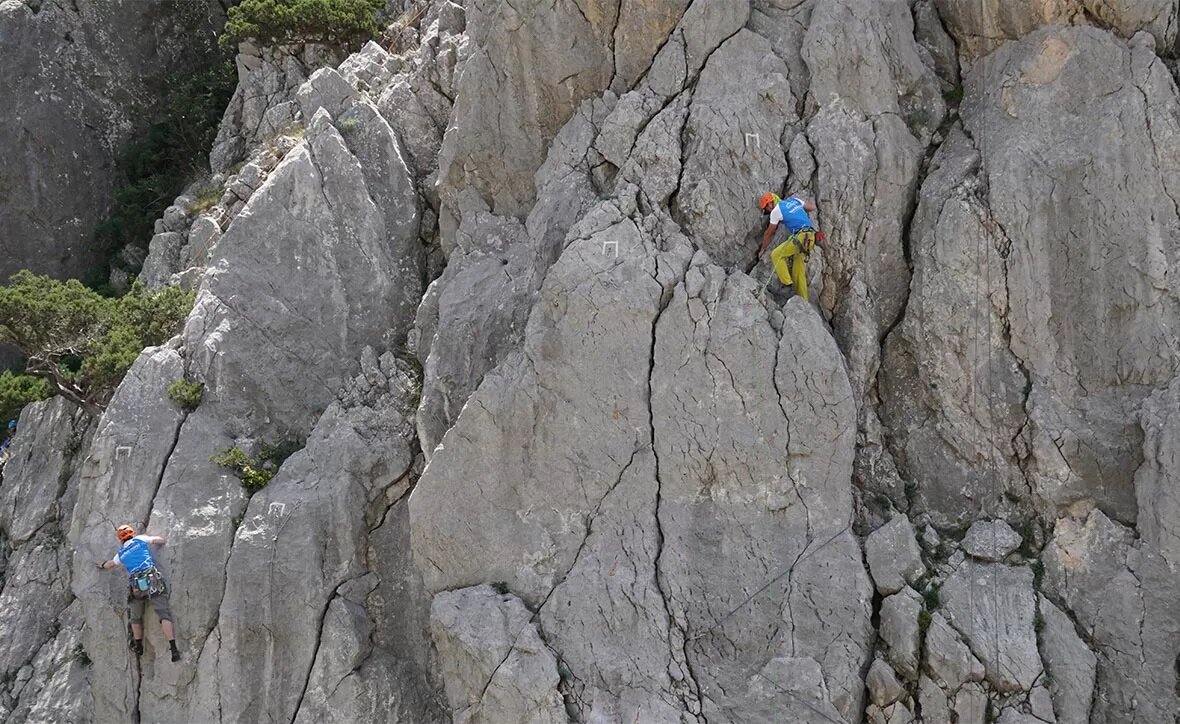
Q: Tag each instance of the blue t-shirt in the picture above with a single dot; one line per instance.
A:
(135, 555)
(790, 211)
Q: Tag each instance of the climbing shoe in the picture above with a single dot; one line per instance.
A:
(175, 651)
(137, 646)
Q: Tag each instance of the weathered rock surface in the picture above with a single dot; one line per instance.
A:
(981, 27)
(900, 631)
(1156, 488)
(281, 344)
(1052, 401)
(37, 495)
(882, 683)
(893, 556)
(263, 105)
(535, 63)
(82, 77)
(488, 645)
(319, 508)
(1115, 590)
(993, 607)
(502, 262)
(949, 661)
(41, 459)
(1069, 663)
(703, 602)
(991, 540)
(877, 103)
(627, 480)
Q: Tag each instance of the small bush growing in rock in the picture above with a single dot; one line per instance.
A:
(253, 474)
(206, 197)
(18, 390)
(80, 342)
(186, 394)
(256, 472)
(336, 23)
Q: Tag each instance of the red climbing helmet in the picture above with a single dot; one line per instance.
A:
(124, 533)
(767, 202)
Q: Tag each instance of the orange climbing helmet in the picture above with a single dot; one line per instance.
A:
(768, 201)
(124, 533)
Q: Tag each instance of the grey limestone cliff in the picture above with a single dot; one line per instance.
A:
(568, 452)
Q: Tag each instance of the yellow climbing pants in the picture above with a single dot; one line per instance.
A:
(796, 248)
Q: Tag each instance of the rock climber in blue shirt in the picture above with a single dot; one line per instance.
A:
(802, 237)
(144, 583)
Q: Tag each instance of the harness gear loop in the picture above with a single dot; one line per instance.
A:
(146, 583)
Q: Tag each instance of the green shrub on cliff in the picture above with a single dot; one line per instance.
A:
(336, 23)
(82, 343)
(17, 390)
(256, 472)
(186, 394)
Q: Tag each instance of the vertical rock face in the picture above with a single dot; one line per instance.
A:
(1037, 312)
(80, 77)
(672, 466)
(37, 496)
(981, 27)
(263, 104)
(341, 216)
(568, 456)
(487, 643)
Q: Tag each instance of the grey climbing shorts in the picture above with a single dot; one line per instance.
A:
(159, 605)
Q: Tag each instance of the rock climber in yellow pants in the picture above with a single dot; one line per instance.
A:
(790, 257)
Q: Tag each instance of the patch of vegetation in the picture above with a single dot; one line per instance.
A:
(1038, 570)
(18, 390)
(1038, 622)
(154, 168)
(348, 126)
(205, 197)
(343, 24)
(954, 95)
(256, 472)
(925, 618)
(501, 588)
(80, 342)
(186, 394)
(253, 474)
(917, 120)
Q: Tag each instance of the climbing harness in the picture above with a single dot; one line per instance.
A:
(146, 584)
